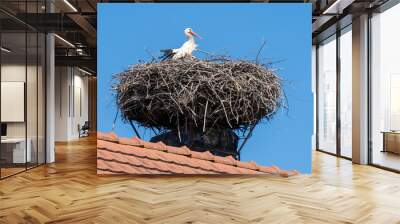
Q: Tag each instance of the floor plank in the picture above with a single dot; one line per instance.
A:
(69, 191)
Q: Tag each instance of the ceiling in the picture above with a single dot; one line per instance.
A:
(331, 15)
(75, 22)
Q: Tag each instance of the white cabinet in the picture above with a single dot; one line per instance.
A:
(19, 155)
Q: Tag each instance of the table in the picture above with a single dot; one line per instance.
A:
(13, 150)
(391, 141)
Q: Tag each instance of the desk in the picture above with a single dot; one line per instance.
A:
(13, 150)
(391, 141)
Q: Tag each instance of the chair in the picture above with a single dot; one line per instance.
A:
(84, 130)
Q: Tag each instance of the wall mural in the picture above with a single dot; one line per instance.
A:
(204, 89)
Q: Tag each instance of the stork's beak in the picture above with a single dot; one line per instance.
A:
(196, 35)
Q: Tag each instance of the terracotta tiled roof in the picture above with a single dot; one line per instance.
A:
(134, 156)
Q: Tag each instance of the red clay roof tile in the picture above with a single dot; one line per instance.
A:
(131, 141)
(179, 150)
(135, 156)
(247, 165)
(107, 136)
(270, 169)
(225, 160)
(152, 145)
(202, 155)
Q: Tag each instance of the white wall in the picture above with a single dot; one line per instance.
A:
(81, 103)
(61, 103)
(16, 73)
(33, 126)
(71, 102)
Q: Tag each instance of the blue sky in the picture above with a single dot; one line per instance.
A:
(127, 31)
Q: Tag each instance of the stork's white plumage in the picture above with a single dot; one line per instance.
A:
(185, 50)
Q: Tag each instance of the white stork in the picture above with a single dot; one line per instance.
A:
(185, 50)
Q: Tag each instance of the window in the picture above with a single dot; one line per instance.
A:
(22, 88)
(335, 74)
(346, 92)
(327, 95)
(385, 89)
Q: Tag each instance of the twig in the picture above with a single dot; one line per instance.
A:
(259, 50)
(205, 116)
(115, 120)
(153, 58)
(205, 52)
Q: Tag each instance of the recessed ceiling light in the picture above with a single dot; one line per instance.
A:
(84, 71)
(70, 5)
(337, 7)
(5, 50)
(64, 40)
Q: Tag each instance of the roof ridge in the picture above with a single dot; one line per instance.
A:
(187, 152)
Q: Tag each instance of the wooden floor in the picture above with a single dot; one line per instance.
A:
(5, 172)
(69, 191)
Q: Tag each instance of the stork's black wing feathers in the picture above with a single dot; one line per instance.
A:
(168, 54)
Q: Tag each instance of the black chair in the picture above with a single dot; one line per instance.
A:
(84, 130)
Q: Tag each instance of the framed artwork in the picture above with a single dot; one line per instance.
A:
(204, 89)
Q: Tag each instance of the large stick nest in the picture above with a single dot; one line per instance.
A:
(218, 93)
